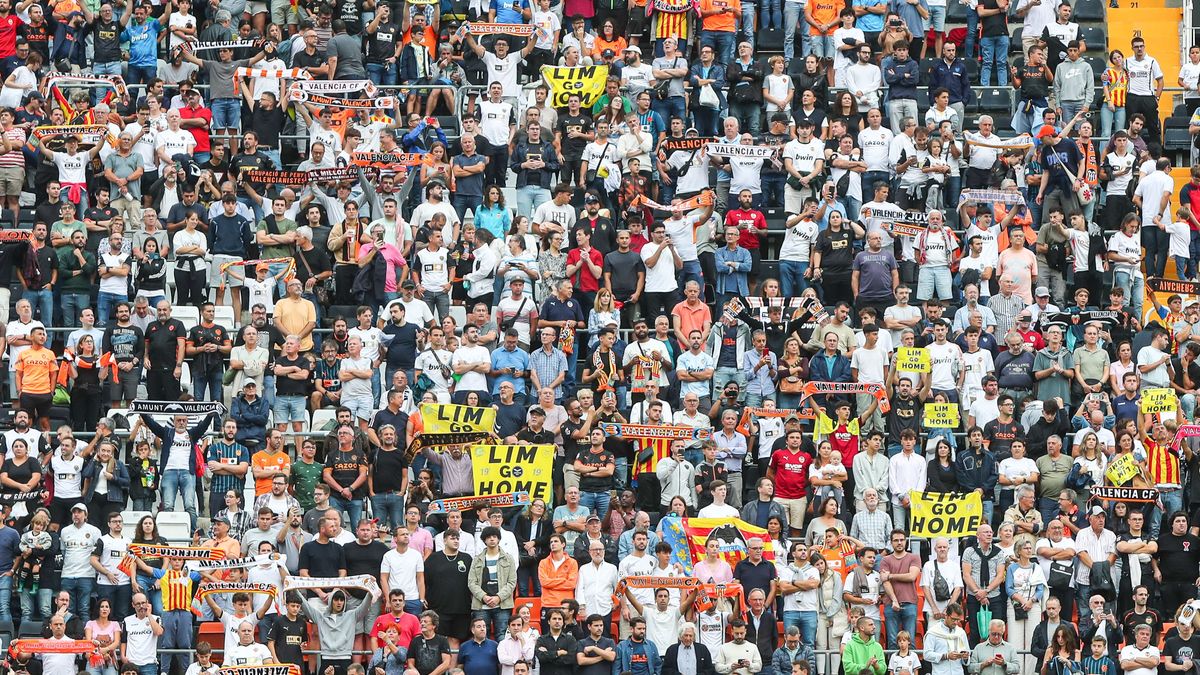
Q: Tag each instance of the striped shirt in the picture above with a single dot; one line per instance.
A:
(176, 588)
(1006, 311)
(1163, 464)
(230, 454)
(14, 159)
(1117, 82)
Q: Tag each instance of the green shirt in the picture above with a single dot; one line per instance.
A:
(68, 264)
(304, 478)
(278, 250)
(61, 229)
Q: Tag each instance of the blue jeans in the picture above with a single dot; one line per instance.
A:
(226, 113)
(184, 482)
(43, 304)
(106, 304)
(276, 161)
(6, 584)
(806, 621)
(148, 669)
(672, 106)
(495, 617)
(1135, 288)
(141, 74)
(692, 271)
(792, 13)
(771, 15)
(705, 120)
(1111, 120)
(1069, 108)
(208, 381)
(177, 634)
(389, 509)
(792, 273)
(995, 57)
(80, 589)
(972, 31)
(44, 598)
(1025, 121)
(620, 475)
(529, 197)
(773, 189)
(72, 305)
(351, 507)
(746, 30)
(722, 42)
(905, 619)
(1171, 502)
(933, 281)
(119, 598)
(154, 595)
(382, 73)
(596, 502)
(462, 203)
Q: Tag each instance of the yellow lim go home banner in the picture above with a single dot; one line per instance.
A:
(498, 469)
(587, 81)
(944, 514)
(447, 418)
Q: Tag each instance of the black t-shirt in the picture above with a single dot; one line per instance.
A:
(289, 636)
(449, 595)
(589, 482)
(286, 386)
(402, 350)
(162, 343)
(572, 148)
(363, 560)
(345, 466)
(246, 162)
(38, 38)
(510, 417)
(837, 251)
(570, 445)
(306, 60)
(1132, 620)
(381, 45)
(602, 668)
(107, 37)
(1177, 650)
(427, 653)
(351, 15)
(202, 335)
(267, 124)
(624, 268)
(317, 259)
(1001, 435)
(389, 465)
(1178, 557)
(995, 25)
(904, 415)
(322, 560)
(24, 472)
(543, 437)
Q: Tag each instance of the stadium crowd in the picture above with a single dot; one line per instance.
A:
(792, 255)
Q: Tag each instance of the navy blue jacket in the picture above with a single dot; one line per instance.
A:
(251, 418)
(976, 472)
(953, 78)
(901, 78)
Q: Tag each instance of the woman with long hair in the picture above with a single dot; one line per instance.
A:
(814, 77)
(1115, 80)
(552, 264)
(150, 273)
(1091, 458)
(492, 214)
(238, 517)
(1117, 369)
(87, 378)
(793, 370)
(533, 532)
(107, 481)
(462, 263)
(608, 38)
(191, 271)
(677, 509)
(832, 619)
(941, 476)
(1062, 656)
(604, 312)
(106, 634)
(845, 108)
(146, 532)
(1025, 585)
(826, 516)
(436, 164)
(21, 473)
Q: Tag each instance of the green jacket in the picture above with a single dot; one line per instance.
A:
(68, 264)
(507, 573)
(859, 652)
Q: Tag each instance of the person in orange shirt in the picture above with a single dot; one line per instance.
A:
(558, 574)
(719, 19)
(36, 370)
(270, 462)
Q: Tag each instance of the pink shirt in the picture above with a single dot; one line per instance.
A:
(906, 591)
(393, 258)
(719, 572)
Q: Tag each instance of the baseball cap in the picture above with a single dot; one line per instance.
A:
(634, 48)
(608, 53)
(1046, 131)
(262, 267)
(408, 284)
(222, 519)
(593, 517)
(1097, 511)
(79, 506)
(1041, 292)
(249, 383)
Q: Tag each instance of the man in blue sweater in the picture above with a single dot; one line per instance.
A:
(229, 235)
(902, 76)
(477, 656)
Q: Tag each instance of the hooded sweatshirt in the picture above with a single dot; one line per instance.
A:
(859, 652)
(1073, 81)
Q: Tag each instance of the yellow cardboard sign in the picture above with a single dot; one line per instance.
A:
(1160, 400)
(587, 81)
(913, 359)
(447, 418)
(1122, 470)
(941, 416)
(498, 469)
(944, 514)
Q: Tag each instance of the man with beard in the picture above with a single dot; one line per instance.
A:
(165, 340)
(34, 440)
(227, 462)
(125, 342)
(450, 597)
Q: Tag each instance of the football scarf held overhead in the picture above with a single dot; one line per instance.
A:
(274, 73)
(471, 503)
(1185, 431)
(587, 81)
(184, 552)
(299, 178)
(517, 29)
(302, 87)
(386, 159)
(265, 669)
(837, 388)
(359, 582)
(380, 103)
(427, 440)
(991, 197)
(236, 563)
(742, 151)
(656, 582)
(146, 407)
(213, 46)
(114, 81)
(705, 198)
(684, 144)
(212, 588)
(666, 432)
(88, 133)
(1022, 142)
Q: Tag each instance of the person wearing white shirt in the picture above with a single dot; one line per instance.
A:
(1035, 15)
(1141, 657)
(940, 566)
(1145, 86)
(597, 582)
(906, 473)
(1057, 550)
(864, 79)
(804, 160)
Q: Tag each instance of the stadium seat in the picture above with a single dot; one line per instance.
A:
(1089, 10)
(223, 315)
(1014, 41)
(344, 311)
(923, 70)
(29, 629)
(130, 520)
(1098, 65)
(956, 12)
(1095, 37)
(995, 99)
(770, 40)
(212, 632)
(188, 315)
(459, 314)
(174, 526)
(972, 70)
(1175, 134)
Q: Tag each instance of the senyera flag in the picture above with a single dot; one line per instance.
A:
(731, 533)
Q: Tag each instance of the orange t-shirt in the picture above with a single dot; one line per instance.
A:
(38, 367)
(266, 460)
(824, 11)
(726, 21)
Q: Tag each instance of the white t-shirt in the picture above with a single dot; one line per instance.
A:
(1180, 239)
(660, 278)
(503, 71)
(1126, 246)
(875, 144)
(175, 143)
(71, 168)
(16, 329)
(798, 241)
(262, 292)
(416, 312)
(435, 272)
(494, 121)
(637, 78)
(472, 381)
(114, 284)
(715, 510)
(1142, 76)
(402, 569)
(1012, 468)
(1130, 652)
(68, 481)
(141, 644)
(802, 601)
(253, 654)
(804, 156)
(942, 358)
(1152, 188)
(683, 235)
(371, 338)
(870, 363)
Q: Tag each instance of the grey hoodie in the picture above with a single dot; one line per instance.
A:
(336, 631)
(1073, 81)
